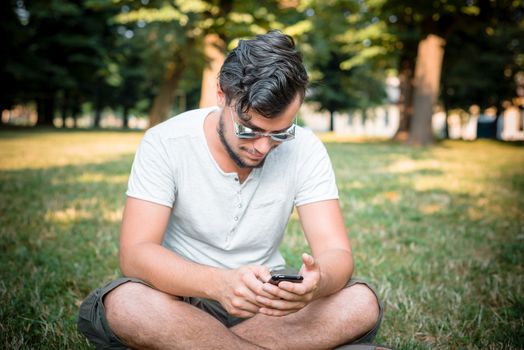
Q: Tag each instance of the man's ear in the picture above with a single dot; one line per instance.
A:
(221, 98)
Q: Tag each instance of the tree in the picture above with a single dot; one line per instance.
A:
(61, 48)
(337, 47)
(131, 85)
(426, 86)
(482, 67)
(10, 54)
(435, 26)
(214, 48)
(198, 26)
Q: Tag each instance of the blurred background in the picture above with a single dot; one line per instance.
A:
(410, 70)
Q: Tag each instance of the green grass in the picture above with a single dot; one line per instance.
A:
(439, 231)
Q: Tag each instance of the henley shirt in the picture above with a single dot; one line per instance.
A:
(216, 220)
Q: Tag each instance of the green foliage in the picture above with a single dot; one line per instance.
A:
(175, 33)
(483, 64)
(483, 55)
(62, 54)
(61, 48)
(10, 27)
(339, 56)
(437, 230)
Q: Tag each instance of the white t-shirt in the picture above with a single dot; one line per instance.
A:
(215, 219)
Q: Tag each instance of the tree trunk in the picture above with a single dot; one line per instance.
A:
(45, 110)
(98, 110)
(331, 120)
(165, 98)
(125, 118)
(75, 111)
(426, 85)
(445, 105)
(446, 125)
(214, 48)
(405, 103)
(65, 109)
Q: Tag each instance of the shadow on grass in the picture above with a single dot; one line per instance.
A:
(448, 264)
(59, 240)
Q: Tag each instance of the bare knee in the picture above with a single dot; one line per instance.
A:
(122, 304)
(127, 308)
(365, 304)
(118, 303)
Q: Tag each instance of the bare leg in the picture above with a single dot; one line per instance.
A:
(145, 318)
(324, 324)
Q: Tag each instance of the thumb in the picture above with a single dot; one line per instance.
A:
(262, 273)
(308, 260)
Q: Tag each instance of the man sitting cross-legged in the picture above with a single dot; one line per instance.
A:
(208, 200)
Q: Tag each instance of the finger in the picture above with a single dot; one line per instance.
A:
(251, 280)
(295, 288)
(278, 293)
(268, 295)
(255, 281)
(245, 293)
(242, 313)
(262, 273)
(280, 304)
(244, 305)
(258, 289)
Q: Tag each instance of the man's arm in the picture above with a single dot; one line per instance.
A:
(326, 272)
(325, 231)
(142, 256)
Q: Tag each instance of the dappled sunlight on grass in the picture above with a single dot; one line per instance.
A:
(114, 216)
(386, 197)
(68, 215)
(411, 165)
(63, 195)
(430, 208)
(351, 185)
(432, 227)
(35, 149)
(87, 178)
(439, 230)
(333, 137)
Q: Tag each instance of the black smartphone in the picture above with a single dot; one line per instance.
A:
(276, 279)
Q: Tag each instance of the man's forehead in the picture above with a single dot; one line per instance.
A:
(281, 122)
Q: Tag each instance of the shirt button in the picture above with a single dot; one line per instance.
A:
(240, 205)
(236, 218)
(236, 179)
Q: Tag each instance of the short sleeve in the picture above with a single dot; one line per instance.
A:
(152, 174)
(315, 177)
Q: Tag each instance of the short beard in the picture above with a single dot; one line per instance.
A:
(232, 154)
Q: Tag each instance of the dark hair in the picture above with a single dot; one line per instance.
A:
(263, 74)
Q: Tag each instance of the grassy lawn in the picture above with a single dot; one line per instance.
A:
(440, 231)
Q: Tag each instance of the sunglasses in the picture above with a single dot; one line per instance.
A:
(244, 132)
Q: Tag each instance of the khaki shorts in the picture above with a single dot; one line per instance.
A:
(93, 324)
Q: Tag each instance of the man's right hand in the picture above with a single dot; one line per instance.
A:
(237, 290)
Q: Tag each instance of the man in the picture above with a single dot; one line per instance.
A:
(209, 196)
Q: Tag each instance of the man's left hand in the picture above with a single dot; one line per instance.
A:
(291, 297)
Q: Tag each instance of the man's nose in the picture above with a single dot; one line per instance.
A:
(263, 144)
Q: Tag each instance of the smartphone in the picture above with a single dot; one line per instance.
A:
(276, 279)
